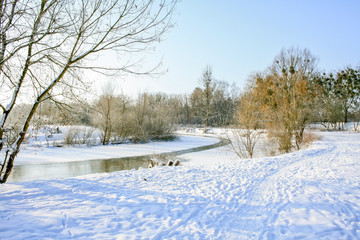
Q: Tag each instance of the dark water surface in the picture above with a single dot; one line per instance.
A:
(78, 168)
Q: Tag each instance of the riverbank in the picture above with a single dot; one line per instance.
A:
(51, 168)
(38, 155)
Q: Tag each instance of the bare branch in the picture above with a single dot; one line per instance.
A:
(2, 108)
(45, 44)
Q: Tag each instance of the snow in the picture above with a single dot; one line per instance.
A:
(310, 194)
(32, 155)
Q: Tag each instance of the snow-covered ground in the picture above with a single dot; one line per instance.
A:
(310, 194)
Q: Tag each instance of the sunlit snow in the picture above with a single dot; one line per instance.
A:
(310, 194)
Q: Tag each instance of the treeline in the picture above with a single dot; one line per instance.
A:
(149, 116)
(283, 99)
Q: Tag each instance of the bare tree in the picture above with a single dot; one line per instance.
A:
(105, 113)
(223, 108)
(245, 136)
(207, 82)
(46, 45)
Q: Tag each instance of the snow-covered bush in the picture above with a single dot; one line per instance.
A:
(79, 136)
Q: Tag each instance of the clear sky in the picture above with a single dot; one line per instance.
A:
(238, 37)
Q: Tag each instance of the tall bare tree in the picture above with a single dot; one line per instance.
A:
(45, 45)
(207, 82)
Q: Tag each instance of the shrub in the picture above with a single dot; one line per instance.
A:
(310, 137)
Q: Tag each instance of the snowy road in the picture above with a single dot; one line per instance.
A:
(310, 194)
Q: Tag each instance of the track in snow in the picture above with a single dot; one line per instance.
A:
(310, 194)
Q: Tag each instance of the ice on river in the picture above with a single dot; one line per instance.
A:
(310, 194)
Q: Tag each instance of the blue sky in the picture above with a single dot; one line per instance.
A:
(237, 38)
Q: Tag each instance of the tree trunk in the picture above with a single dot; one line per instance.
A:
(8, 164)
(346, 114)
(299, 137)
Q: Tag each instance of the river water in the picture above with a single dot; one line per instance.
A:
(78, 168)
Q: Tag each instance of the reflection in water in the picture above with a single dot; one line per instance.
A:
(73, 169)
(79, 168)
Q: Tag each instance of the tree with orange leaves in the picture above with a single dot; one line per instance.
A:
(285, 96)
